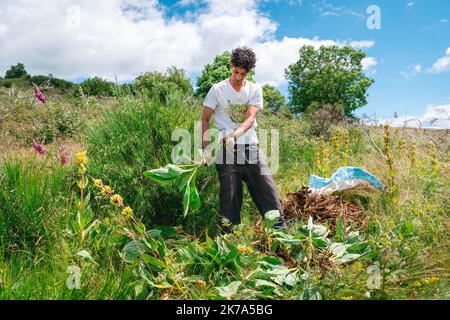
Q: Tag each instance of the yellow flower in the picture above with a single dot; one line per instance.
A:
(98, 183)
(116, 200)
(106, 191)
(127, 212)
(390, 224)
(358, 266)
(244, 249)
(417, 284)
(81, 158)
(430, 280)
(347, 298)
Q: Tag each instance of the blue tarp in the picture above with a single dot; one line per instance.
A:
(344, 178)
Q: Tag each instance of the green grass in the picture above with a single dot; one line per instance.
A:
(39, 201)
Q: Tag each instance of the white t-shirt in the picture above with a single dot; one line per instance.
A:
(225, 101)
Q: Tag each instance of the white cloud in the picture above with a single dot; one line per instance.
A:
(362, 44)
(368, 63)
(328, 9)
(410, 4)
(128, 37)
(441, 65)
(274, 56)
(184, 3)
(411, 71)
(435, 116)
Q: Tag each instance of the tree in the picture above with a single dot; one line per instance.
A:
(16, 71)
(217, 71)
(160, 84)
(180, 79)
(96, 87)
(320, 118)
(50, 79)
(330, 75)
(273, 99)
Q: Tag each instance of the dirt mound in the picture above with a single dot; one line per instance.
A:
(323, 208)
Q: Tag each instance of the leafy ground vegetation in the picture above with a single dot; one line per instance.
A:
(79, 220)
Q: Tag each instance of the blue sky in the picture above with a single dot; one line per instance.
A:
(409, 57)
(412, 33)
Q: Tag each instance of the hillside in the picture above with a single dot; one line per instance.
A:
(64, 234)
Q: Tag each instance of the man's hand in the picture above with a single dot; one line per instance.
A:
(229, 142)
(206, 158)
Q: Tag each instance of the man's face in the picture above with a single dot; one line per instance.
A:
(238, 74)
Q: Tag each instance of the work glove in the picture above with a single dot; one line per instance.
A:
(229, 144)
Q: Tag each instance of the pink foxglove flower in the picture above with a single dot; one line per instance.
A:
(38, 148)
(38, 94)
(62, 156)
(63, 160)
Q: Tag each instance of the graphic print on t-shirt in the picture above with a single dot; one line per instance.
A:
(237, 112)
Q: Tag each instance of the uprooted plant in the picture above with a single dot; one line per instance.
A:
(187, 175)
(312, 244)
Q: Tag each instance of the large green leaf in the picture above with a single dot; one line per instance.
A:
(191, 197)
(133, 250)
(358, 247)
(340, 228)
(195, 202)
(340, 253)
(182, 184)
(154, 262)
(212, 248)
(265, 283)
(167, 173)
(186, 199)
(229, 290)
(167, 231)
(233, 256)
(272, 260)
(320, 243)
(271, 218)
(310, 292)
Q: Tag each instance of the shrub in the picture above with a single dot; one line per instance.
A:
(322, 117)
(16, 71)
(96, 87)
(161, 85)
(135, 137)
(44, 124)
(6, 84)
(61, 84)
(58, 122)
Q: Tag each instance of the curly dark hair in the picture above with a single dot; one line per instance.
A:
(243, 58)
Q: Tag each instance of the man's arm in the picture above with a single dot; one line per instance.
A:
(250, 117)
(206, 117)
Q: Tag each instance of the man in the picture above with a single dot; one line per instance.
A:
(235, 102)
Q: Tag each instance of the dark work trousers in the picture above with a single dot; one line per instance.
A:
(249, 164)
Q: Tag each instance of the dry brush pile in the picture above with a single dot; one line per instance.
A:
(324, 208)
